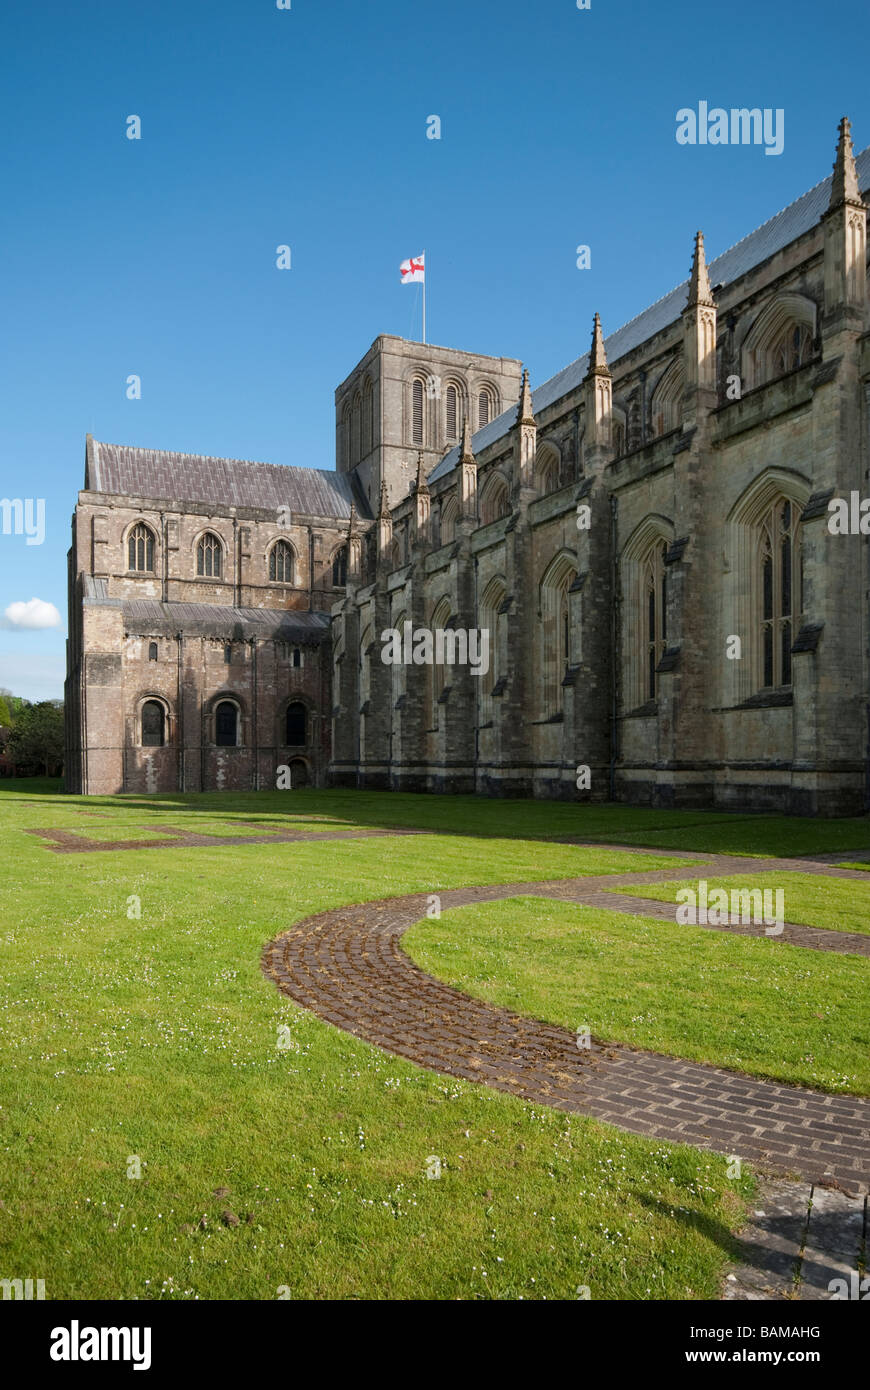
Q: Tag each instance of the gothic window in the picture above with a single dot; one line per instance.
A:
(617, 431)
(556, 654)
(226, 725)
(281, 563)
(495, 500)
(339, 567)
(793, 349)
(493, 620)
(140, 548)
(152, 651)
(653, 613)
(781, 339)
(440, 671)
(667, 401)
(547, 470)
(208, 556)
(417, 411)
(153, 724)
(297, 725)
(449, 517)
(779, 590)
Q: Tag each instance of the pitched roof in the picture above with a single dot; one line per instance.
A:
(796, 219)
(156, 473)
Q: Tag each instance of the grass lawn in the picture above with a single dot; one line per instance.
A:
(754, 1005)
(156, 1038)
(811, 900)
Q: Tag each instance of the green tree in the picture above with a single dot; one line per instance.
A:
(37, 736)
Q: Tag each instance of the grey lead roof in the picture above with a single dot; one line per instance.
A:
(155, 473)
(144, 616)
(765, 241)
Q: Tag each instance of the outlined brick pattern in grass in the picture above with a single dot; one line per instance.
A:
(348, 967)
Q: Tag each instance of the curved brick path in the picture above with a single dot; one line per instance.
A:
(348, 967)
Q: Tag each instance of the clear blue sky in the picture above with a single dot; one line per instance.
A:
(263, 126)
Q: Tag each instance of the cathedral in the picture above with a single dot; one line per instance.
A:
(645, 539)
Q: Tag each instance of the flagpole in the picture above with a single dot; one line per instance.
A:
(424, 294)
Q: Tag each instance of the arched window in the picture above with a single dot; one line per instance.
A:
(228, 653)
(208, 556)
(226, 725)
(495, 500)
(485, 407)
(654, 615)
(779, 588)
(441, 673)
(780, 340)
(417, 410)
(547, 469)
(339, 567)
(667, 401)
(281, 563)
(152, 651)
(617, 430)
(140, 548)
(644, 588)
(555, 631)
(297, 657)
(763, 584)
(493, 620)
(449, 518)
(296, 724)
(153, 724)
(453, 412)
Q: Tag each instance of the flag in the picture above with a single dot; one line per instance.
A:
(413, 272)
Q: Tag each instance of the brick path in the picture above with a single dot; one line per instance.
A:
(348, 967)
(174, 837)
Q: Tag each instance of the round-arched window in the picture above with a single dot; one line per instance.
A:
(226, 725)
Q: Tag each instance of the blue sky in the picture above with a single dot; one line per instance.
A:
(307, 127)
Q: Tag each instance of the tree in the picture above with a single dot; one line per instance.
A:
(37, 736)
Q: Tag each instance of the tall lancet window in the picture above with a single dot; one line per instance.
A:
(140, 548)
(208, 556)
(780, 576)
(654, 610)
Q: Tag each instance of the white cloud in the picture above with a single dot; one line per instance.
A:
(35, 613)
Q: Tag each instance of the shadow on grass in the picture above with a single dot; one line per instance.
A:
(480, 817)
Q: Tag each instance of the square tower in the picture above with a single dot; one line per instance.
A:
(405, 396)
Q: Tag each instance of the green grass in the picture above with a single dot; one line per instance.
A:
(752, 1004)
(157, 1038)
(811, 900)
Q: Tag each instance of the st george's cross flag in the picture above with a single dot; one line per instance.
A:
(413, 272)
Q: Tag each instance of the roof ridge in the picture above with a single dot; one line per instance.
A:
(806, 193)
(214, 458)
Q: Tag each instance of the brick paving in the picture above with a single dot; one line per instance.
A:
(174, 837)
(348, 967)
